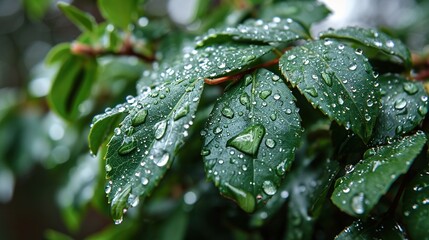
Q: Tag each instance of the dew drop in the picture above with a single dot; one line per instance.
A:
(269, 187)
(144, 181)
(163, 160)
(133, 200)
(369, 103)
(108, 188)
(358, 203)
(358, 51)
(127, 146)
(390, 44)
(108, 168)
(311, 91)
(276, 96)
(327, 79)
(118, 221)
(367, 117)
(117, 131)
(217, 130)
(423, 110)
(291, 57)
(346, 190)
(353, 67)
(270, 143)
(160, 128)
(275, 78)
(273, 117)
(183, 111)
(340, 101)
(400, 104)
(227, 112)
(205, 152)
(249, 140)
(244, 99)
(265, 94)
(410, 88)
(139, 118)
(222, 65)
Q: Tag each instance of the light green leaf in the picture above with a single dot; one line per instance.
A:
(71, 86)
(373, 229)
(415, 208)
(119, 13)
(276, 30)
(337, 80)
(84, 21)
(358, 192)
(58, 54)
(404, 106)
(250, 139)
(306, 12)
(374, 39)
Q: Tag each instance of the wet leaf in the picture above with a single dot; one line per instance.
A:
(373, 229)
(337, 80)
(415, 208)
(306, 12)
(58, 54)
(84, 21)
(374, 39)
(250, 139)
(72, 86)
(102, 126)
(358, 191)
(276, 30)
(404, 106)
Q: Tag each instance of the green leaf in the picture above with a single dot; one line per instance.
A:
(58, 54)
(250, 139)
(415, 208)
(337, 80)
(102, 125)
(358, 191)
(119, 13)
(373, 229)
(306, 12)
(276, 30)
(84, 21)
(36, 9)
(71, 86)
(145, 143)
(374, 39)
(404, 106)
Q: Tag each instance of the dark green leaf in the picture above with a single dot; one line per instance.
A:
(250, 139)
(102, 125)
(306, 12)
(404, 106)
(276, 30)
(36, 9)
(58, 54)
(71, 86)
(336, 79)
(84, 21)
(358, 191)
(145, 144)
(415, 208)
(373, 229)
(119, 13)
(374, 39)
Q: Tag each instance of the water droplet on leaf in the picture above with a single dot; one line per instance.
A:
(127, 146)
(181, 112)
(160, 128)
(139, 118)
(248, 140)
(269, 188)
(163, 160)
(227, 112)
(265, 94)
(357, 203)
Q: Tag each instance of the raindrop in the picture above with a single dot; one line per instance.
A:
(327, 79)
(340, 101)
(358, 203)
(276, 96)
(108, 168)
(341, 46)
(181, 112)
(281, 168)
(160, 162)
(118, 221)
(367, 117)
(144, 181)
(108, 189)
(358, 51)
(275, 78)
(130, 99)
(217, 130)
(190, 198)
(369, 103)
(265, 94)
(227, 112)
(284, 194)
(270, 143)
(248, 140)
(117, 131)
(390, 44)
(400, 104)
(188, 67)
(353, 67)
(205, 152)
(346, 190)
(244, 99)
(410, 88)
(127, 146)
(244, 199)
(398, 130)
(269, 187)
(133, 200)
(139, 118)
(160, 128)
(291, 57)
(273, 116)
(222, 65)
(423, 110)
(311, 91)
(349, 168)
(315, 77)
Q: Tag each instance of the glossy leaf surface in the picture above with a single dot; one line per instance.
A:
(250, 139)
(358, 191)
(336, 79)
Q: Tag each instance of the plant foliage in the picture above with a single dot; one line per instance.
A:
(296, 129)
